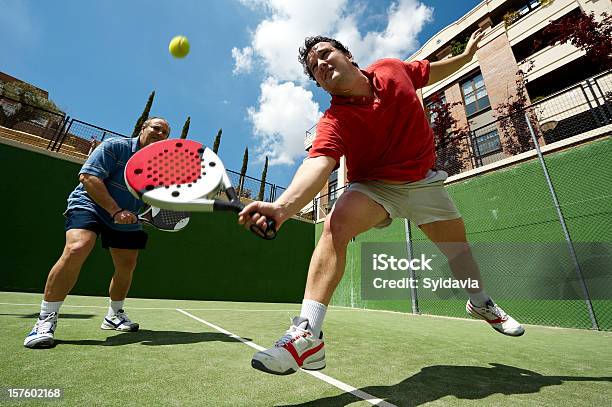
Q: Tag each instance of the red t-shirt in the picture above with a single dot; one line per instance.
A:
(383, 138)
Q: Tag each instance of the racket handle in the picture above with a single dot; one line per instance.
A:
(237, 206)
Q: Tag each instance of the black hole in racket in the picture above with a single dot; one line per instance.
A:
(138, 171)
(160, 154)
(175, 193)
(189, 185)
(179, 145)
(165, 151)
(212, 164)
(149, 187)
(200, 150)
(149, 176)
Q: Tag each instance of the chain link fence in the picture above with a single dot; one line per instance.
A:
(58, 132)
(538, 214)
(29, 124)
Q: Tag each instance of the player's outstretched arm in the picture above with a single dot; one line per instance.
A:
(306, 184)
(441, 69)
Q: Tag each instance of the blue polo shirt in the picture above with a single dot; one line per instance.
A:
(107, 162)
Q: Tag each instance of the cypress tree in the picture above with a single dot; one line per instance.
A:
(217, 141)
(262, 186)
(144, 116)
(243, 170)
(186, 128)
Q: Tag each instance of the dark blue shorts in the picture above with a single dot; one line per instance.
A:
(83, 219)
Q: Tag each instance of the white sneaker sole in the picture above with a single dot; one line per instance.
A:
(108, 327)
(315, 365)
(39, 343)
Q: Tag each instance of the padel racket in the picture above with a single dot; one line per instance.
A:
(184, 175)
(164, 220)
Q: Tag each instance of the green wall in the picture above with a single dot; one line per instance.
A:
(513, 205)
(214, 258)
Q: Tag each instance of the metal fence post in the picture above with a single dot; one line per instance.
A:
(61, 136)
(58, 133)
(413, 290)
(568, 239)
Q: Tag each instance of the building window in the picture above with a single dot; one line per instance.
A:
(475, 95)
(332, 189)
(487, 143)
(527, 7)
(431, 105)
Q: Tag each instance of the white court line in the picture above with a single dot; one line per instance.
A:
(328, 379)
(163, 308)
(335, 307)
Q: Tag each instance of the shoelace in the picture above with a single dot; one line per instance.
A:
(44, 326)
(498, 312)
(123, 316)
(289, 335)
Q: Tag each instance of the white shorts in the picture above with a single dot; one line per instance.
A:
(422, 202)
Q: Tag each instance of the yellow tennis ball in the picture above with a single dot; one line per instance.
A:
(179, 46)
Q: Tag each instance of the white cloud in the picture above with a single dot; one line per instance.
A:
(404, 22)
(243, 60)
(275, 44)
(285, 112)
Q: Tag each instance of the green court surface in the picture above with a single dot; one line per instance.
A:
(177, 359)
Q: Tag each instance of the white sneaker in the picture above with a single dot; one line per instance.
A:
(298, 348)
(496, 317)
(119, 322)
(41, 335)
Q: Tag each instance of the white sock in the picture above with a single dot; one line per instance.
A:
(114, 307)
(479, 299)
(47, 307)
(315, 313)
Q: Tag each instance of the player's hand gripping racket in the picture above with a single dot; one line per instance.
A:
(164, 220)
(184, 175)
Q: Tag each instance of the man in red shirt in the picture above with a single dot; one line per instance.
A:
(377, 122)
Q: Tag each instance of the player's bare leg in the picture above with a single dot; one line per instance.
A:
(116, 318)
(302, 345)
(61, 279)
(450, 237)
(353, 213)
(457, 251)
(64, 274)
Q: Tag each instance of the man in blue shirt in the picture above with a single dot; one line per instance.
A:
(100, 205)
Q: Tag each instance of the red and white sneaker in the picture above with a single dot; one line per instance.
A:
(298, 348)
(496, 317)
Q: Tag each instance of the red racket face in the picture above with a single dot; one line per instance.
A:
(170, 174)
(165, 164)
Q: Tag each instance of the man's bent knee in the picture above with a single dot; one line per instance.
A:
(78, 248)
(353, 214)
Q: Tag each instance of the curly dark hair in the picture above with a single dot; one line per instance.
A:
(310, 42)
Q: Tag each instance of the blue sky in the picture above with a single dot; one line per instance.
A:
(100, 60)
